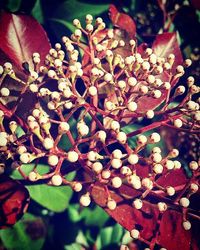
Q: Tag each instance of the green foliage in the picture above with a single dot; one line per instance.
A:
(27, 234)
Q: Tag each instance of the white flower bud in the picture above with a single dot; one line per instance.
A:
(134, 234)
(63, 127)
(137, 203)
(194, 187)
(147, 183)
(186, 225)
(21, 149)
(101, 135)
(5, 92)
(97, 167)
(106, 174)
(170, 191)
(154, 138)
(116, 182)
(32, 176)
(132, 81)
(158, 168)
(72, 156)
(178, 123)
(92, 90)
(142, 139)
(77, 186)
(108, 77)
(56, 180)
(133, 159)
(184, 202)
(25, 158)
(48, 143)
(85, 200)
(121, 137)
(115, 125)
(117, 153)
(125, 171)
(193, 165)
(53, 160)
(177, 165)
(132, 106)
(116, 163)
(111, 204)
(150, 114)
(162, 206)
(156, 157)
(169, 164)
(156, 150)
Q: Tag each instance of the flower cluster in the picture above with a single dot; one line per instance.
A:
(83, 108)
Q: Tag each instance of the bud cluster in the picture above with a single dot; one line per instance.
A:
(88, 105)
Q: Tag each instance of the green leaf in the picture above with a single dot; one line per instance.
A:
(13, 5)
(109, 236)
(126, 239)
(55, 199)
(95, 217)
(27, 168)
(24, 234)
(66, 24)
(37, 12)
(74, 246)
(81, 239)
(72, 9)
(73, 213)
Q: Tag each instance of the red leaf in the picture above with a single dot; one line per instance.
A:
(14, 200)
(21, 36)
(123, 21)
(172, 234)
(173, 178)
(125, 214)
(166, 44)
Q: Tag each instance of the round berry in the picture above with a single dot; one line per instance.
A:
(116, 182)
(187, 225)
(53, 160)
(184, 202)
(85, 200)
(72, 156)
(134, 233)
(162, 206)
(32, 176)
(111, 204)
(56, 180)
(137, 203)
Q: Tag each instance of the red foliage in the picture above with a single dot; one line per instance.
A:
(122, 21)
(14, 200)
(22, 36)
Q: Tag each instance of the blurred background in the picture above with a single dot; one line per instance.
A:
(54, 219)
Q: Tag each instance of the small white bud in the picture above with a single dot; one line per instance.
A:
(85, 200)
(186, 225)
(162, 206)
(184, 202)
(137, 203)
(53, 160)
(116, 163)
(72, 156)
(48, 143)
(111, 204)
(56, 180)
(170, 191)
(133, 159)
(116, 182)
(134, 234)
